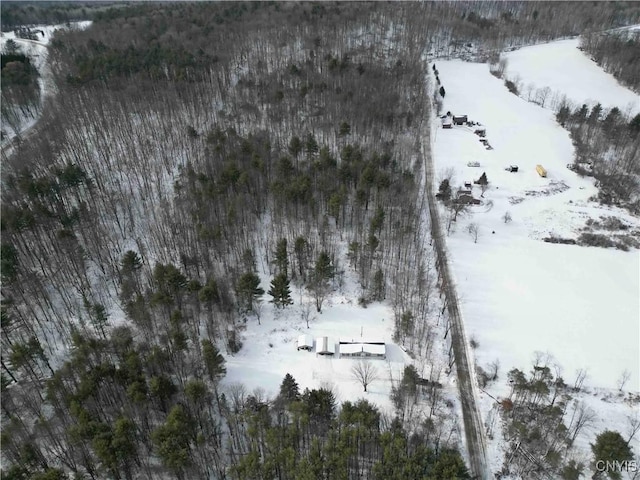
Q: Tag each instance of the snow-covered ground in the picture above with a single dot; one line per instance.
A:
(270, 351)
(566, 70)
(520, 295)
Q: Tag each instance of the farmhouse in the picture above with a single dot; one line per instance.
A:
(362, 349)
(325, 346)
(467, 200)
(305, 342)
(459, 120)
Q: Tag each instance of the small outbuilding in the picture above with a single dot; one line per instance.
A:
(325, 346)
(305, 342)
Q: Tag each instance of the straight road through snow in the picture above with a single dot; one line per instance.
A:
(473, 428)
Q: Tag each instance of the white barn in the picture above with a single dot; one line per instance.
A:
(305, 342)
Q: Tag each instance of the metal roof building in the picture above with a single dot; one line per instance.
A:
(305, 342)
(362, 349)
(325, 346)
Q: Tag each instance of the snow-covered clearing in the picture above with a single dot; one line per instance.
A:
(567, 71)
(269, 350)
(520, 295)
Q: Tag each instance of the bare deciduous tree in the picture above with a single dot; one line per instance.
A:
(506, 218)
(633, 426)
(493, 369)
(583, 416)
(581, 375)
(364, 373)
(624, 378)
(455, 208)
(305, 312)
(474, 231)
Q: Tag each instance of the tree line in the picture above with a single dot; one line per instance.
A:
(615, 52)
(606, 146)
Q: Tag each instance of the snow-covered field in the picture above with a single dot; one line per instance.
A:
(564, 69)
(520, 295)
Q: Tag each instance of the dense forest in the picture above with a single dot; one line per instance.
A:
(18, 13)
(190, 149)
(20, 90)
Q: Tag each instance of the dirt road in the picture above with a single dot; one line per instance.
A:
(473, 427)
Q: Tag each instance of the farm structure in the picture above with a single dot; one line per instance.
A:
(541, 171)
(325, 346)
(362, 349)
(305, 342)
(466, 199)
(460, 119)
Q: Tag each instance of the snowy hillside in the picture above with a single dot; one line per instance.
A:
(567, 71)
(520, 296)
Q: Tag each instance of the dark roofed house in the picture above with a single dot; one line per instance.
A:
(468, 200)
(459, 119)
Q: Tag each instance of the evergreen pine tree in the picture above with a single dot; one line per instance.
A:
(324, 269)
(300, 248)
(611, 447)
(311, 145)
(378, 286)
(280, 291)
(563, 114)
(213, 361)
(345, 129)
(248, 289)
(444, 190)
(281, 257)
(289, 389)
(295, 146)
